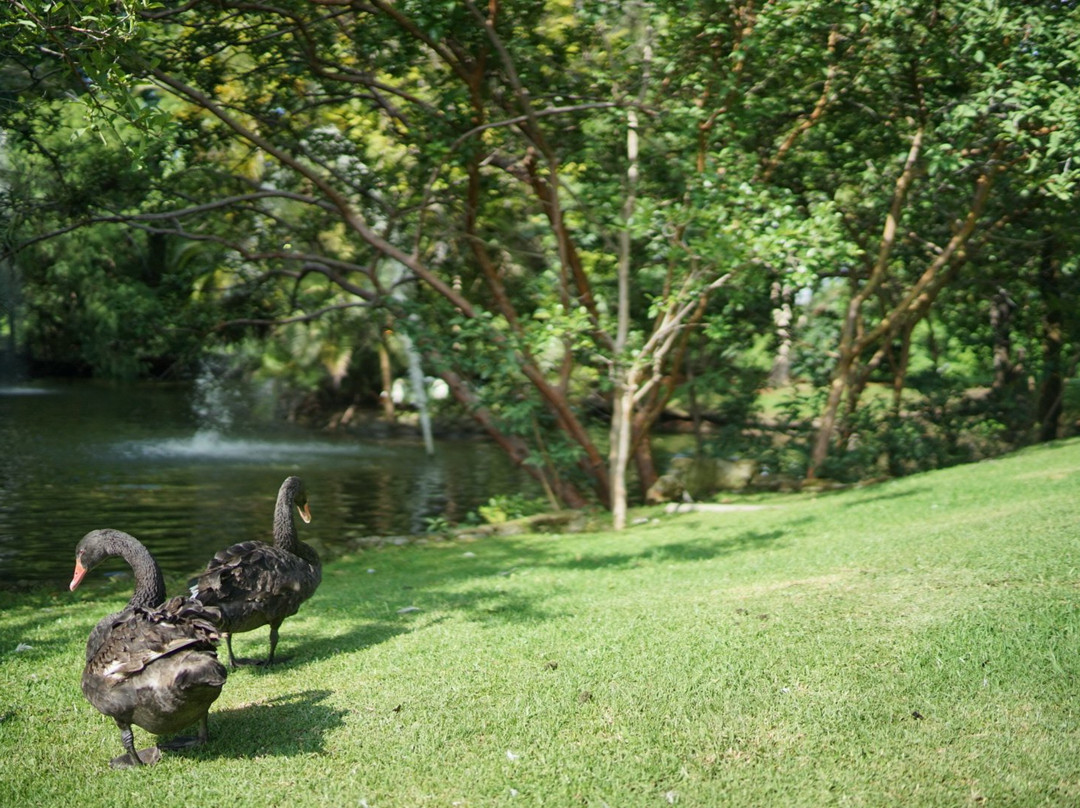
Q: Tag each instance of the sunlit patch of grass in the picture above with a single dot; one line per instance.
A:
(913, 643)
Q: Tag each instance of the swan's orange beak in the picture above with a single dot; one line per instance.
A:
(80, 573)
(305, 513)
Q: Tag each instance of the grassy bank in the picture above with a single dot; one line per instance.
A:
(914, 643)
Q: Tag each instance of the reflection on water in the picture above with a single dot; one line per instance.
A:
(79, 456)
(23, 391)
(213, 446)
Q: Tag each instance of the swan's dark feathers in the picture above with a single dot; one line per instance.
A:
(254, 584)
(127, 642)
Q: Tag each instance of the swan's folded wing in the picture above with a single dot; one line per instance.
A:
(238, 554)
(249, 570)
(196, 615)
(138, 637)
(138, 660)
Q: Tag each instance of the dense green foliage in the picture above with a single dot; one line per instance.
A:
(575, 214)
(910, 643)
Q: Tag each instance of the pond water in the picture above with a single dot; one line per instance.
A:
(189, 471)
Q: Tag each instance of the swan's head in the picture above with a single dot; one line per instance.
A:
(92, 549)
(294, 491)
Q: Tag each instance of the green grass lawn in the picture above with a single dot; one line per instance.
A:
(913, 643)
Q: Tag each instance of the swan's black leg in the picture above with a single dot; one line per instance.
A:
(228, 644)
(127, 737)
(235, 663)
(273, 642)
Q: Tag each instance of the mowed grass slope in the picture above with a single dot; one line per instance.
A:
(913, 643)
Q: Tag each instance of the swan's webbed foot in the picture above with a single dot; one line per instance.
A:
(249, 663)
(144, 757)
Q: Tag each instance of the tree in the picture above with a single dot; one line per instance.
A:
(929, 107)
(562, 206)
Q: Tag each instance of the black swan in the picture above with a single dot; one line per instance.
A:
(153, 663)
(254, 583)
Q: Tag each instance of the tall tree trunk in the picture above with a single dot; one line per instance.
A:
(827, 423)
(622, 416)
(643, 461)
(622, 403)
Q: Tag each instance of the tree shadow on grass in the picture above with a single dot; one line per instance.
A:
(885, 496)
(701, 549)
(490, 606)
(477, 580)
(285, 726)
(293, 652)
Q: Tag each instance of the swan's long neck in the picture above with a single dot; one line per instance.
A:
(284, 525)
(149, 582)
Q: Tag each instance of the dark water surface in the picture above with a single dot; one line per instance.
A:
(169, 466)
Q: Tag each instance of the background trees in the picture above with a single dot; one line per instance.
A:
(576, 214)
